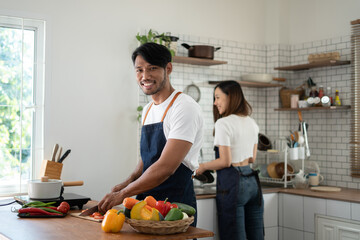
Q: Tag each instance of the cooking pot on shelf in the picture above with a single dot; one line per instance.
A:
(200, 51)
(264, 142)
(48, 189)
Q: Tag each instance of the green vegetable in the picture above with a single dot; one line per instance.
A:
(189, 210)
(127, 212)
(50, 210)
(38, 204)
(174, 214)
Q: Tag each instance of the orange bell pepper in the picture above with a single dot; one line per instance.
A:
(113, 221)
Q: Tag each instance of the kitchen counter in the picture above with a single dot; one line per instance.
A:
(346, 194)
(13, 227)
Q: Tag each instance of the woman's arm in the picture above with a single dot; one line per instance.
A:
(219, 163)
(253, 159)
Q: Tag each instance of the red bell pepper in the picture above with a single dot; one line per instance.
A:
(164, 206)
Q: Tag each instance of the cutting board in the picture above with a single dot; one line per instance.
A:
(326, 189)
(85, 217)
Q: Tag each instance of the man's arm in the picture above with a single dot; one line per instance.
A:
(171, 157)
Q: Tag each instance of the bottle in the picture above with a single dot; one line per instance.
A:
(337, 98)
(321, 92)
(329, 94)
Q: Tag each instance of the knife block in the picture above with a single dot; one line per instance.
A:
(51, 169)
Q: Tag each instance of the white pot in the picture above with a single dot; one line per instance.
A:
(44, 190)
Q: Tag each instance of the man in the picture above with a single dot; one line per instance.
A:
(171, 135)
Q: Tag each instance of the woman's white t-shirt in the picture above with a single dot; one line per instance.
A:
(239, 133)
(183, 121)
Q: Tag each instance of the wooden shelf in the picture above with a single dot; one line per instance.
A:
(252, 84)
(331, 108)
(197, 61)
(300, 67)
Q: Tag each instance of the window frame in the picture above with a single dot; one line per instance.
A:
(37, 144)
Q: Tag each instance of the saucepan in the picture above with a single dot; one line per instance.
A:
(200, 51)
(48, 189)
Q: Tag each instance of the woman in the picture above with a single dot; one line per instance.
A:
(239, 198)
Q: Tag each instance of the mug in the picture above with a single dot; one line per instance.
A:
(315, 179)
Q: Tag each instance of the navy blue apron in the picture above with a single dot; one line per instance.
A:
(179, 186)
(227, 187)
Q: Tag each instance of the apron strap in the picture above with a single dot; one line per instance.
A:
(168, 107)
(170, 104)
(147, 113)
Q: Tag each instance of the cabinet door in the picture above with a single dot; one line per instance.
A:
(312, 206)
(271, 210)
(330, 228)
(207, 218)
(292, 211)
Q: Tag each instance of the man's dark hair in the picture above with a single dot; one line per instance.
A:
(153, 53)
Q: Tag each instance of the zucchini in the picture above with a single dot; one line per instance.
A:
(189, 210)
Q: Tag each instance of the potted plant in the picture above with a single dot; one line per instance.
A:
(163, 39)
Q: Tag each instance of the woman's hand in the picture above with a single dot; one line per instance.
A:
(201, 169)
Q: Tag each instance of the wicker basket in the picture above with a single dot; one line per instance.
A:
(285, 95)
(160, 227)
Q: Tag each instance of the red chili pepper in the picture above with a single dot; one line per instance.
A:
(163, 207)
(53, 208)
(37, 210)
(173, 205)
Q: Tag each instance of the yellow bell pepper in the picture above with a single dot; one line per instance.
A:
(113, 221)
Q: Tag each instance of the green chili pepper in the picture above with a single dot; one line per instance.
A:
(50, 210)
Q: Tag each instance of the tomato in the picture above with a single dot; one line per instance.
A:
(64, 207)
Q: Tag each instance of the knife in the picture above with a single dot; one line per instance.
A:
(89, 211)
(58, 156)
(64, 156)
(56, 146)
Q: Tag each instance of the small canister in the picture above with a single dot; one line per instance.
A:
(325, 101)
(294, 99)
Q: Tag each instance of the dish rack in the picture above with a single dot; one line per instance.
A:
(284, 180)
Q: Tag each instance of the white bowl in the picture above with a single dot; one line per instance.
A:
(264, 78)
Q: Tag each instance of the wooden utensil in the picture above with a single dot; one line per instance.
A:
(56, 147)
(279, 79)
(326, 189)
(59, 155)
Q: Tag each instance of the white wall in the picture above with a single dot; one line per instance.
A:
(91, 95)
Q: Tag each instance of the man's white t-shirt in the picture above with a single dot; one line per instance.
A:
(239, 133)
(183, 121)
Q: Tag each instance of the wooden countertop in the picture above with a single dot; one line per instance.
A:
(13, 227)
(346, 194)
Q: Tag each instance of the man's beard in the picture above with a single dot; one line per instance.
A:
(161, 86)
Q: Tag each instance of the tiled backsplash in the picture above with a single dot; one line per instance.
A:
(328, 130)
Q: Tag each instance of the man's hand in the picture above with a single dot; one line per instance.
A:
(110, 200)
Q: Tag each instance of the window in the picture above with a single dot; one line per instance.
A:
(355, 131)
(22, 44)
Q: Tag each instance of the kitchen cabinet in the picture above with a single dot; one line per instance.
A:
(207, 218)
(298, 218)
(331, 228)
(271, 223)
(197, 61)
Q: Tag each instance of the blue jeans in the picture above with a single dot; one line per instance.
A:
(250, 215)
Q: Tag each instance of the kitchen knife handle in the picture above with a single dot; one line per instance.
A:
(56, 146)
(58, 156)
(64, 156)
